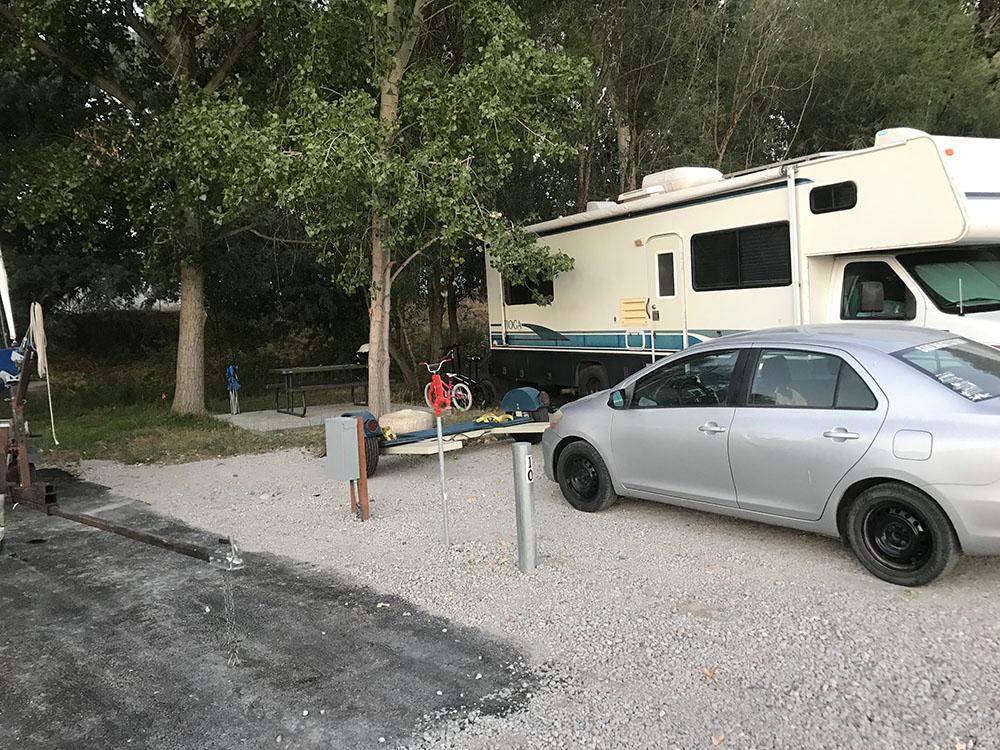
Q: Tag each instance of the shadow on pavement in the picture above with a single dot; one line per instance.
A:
(107, 642)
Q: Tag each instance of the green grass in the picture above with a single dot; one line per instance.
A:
(152, 434)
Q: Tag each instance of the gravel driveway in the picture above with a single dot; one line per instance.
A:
(648, 626)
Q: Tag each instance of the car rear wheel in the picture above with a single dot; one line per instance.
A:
(584, 478)
(901, 535)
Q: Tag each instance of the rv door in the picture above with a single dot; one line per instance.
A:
(667, 313)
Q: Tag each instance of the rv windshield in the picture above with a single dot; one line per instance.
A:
(958, 280)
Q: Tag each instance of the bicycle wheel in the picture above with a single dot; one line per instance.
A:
(427, 395)
(461, 397)
(487, 394)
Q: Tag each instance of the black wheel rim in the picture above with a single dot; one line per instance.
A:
(582, 477)
(897, 536)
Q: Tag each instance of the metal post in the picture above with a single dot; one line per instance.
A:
(362, 473)
(524, 475)
(444, 489)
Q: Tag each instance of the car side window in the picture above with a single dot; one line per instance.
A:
(700, 380)
(811, 380)
(853, 392)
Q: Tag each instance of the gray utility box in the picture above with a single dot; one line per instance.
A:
(342, 448)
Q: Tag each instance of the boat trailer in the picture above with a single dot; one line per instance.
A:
(525, 417)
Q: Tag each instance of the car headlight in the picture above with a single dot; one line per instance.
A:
(554, 417)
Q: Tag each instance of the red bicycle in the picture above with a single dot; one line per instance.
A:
(446, 392)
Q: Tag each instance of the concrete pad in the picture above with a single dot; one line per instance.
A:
(272, 421)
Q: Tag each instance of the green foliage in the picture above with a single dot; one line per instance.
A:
(472, 104)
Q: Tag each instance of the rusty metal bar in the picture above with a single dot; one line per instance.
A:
(362, 472)
(182, 548)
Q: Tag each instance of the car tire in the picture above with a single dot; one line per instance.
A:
(584, 478)
(901, 536)
(592, 379)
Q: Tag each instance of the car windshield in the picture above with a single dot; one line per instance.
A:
(969, 369)
(959, 280)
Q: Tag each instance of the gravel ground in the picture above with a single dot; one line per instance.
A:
(648, 626)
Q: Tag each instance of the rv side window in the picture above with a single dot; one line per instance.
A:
(829, 198)
(665, 273)
(527, 293)
(746, 258)
(898, 303)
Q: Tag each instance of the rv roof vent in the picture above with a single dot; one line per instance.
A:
(598, 205)
(681, 178)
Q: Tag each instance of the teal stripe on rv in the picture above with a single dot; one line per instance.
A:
(665, 340)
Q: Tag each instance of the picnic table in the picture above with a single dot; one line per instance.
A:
(303, 380)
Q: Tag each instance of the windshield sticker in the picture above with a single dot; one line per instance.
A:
(939, 345)
(963, 387)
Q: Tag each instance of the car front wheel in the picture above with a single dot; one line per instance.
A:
(901, 535)
(584, 478)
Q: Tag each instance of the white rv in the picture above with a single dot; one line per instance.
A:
(908, 230)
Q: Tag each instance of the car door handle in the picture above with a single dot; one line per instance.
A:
(711, 428)
(841, 434)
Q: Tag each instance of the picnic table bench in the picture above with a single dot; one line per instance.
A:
(302, 380)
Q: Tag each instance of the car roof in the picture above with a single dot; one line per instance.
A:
(881, 337)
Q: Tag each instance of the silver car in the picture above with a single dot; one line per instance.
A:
(887, 436)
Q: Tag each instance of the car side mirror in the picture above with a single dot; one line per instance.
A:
(617, 399)
(872, 297)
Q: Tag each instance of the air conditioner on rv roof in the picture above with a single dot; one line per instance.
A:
(670, 180)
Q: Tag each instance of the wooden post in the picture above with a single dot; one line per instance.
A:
(362, 473)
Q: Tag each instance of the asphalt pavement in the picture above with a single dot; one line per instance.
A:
(107, 642)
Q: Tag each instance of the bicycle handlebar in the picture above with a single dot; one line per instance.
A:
(438, 368)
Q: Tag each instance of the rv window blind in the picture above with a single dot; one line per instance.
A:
(765, 256)
(749, 257)
(665, 274)
(527, 293)
(829, 198)
(715, 261)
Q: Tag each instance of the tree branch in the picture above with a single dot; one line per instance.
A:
(285, 240)
(105, 83)
(399, 268)
(143, 30)
(233, 57)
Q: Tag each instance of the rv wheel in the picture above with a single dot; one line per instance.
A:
(592, 379)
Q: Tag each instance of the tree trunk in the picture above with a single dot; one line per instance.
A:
(627, 175)
(583, 180)
(189, 393)
(435, 311)
(404, 38)
(453, 330)
(409, 374)
(379, 396)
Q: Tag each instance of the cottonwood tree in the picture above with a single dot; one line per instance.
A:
(173, 101)
(403, 169)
